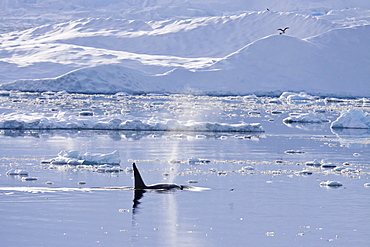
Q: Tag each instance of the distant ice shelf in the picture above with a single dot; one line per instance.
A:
(70, 121)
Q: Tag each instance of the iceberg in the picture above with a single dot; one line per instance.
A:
(352, 119)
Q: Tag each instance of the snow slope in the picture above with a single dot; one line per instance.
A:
(205, 47)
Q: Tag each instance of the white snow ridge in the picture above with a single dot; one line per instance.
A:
(203, 47)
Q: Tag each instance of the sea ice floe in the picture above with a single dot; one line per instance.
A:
(306, 118)
(64, 120)
(350, 170)
(331, 183)
(352, 119)
(74, 157)
(17, 172)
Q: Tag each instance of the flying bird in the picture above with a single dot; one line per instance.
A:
(283, 30)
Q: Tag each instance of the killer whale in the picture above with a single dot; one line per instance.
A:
(140, 185)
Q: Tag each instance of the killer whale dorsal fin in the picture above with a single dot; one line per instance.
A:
(139, 182)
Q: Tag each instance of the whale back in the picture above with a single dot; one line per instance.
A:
(139, 182)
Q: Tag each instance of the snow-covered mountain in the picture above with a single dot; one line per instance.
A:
(206, 47)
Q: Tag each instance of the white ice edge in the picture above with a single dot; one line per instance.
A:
(70, 121)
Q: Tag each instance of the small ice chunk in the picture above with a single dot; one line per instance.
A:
(250, 97)
(46, 161)
(290, 96)
(331, 183)
(276, 112)
(69, 154)
(349, 170)
(305, 172)
(247, 168)
(29, 178)
(201, 137)
(173, 161)
(294, 152)
(128, 170)
(315, 162)
(198, 161)
(192, 182)
(339, 169)
(319, 111)
(108, 168)
(74, 162)
(86, 113)
(306, 118)
(328, 165)
(60, 161)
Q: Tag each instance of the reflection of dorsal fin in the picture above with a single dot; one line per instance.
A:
(139, 183)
